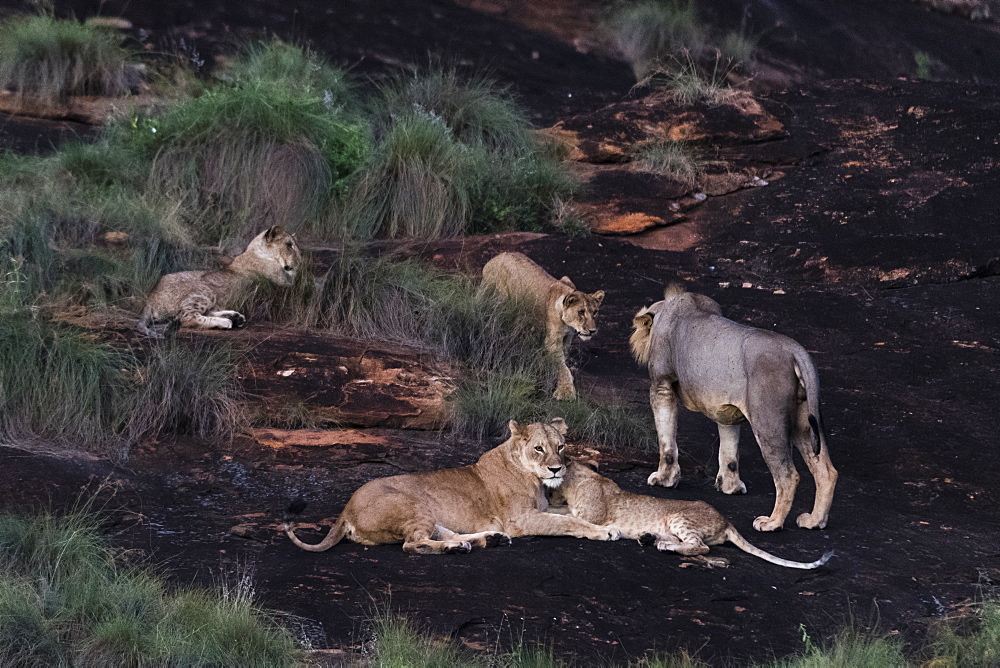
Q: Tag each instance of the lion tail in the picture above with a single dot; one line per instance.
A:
(641, 339)
(335, 535)
(805, 370)
(734, 537)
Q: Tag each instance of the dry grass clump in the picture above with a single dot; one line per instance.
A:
(54, 58)
(673, 159)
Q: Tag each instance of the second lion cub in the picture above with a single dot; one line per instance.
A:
(562, 308)
(684, 527)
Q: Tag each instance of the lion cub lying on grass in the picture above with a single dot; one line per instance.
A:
(562, 308)
(684, 527)
(193, 297)
(482, 505)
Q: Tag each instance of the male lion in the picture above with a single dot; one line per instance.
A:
(193, 296)
(734, 373)
(558, 304)
(684, 527)
(483, 505)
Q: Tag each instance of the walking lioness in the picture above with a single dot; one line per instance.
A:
(483, 505)
(734, 373)
(684, 527)
(562, 308)
(194, 297)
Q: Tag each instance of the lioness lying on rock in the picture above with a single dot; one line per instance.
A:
(194, 297)
(562, 308)
(734, 373)
(684, 527)
(483, 505)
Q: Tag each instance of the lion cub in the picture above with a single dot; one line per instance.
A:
(684, 527)
(562, 308)
(193, 297)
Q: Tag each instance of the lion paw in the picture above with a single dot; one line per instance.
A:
(609, 534)
(497, 540)
(807, 521)
(765, 523)
(238, 320)
(647, 539)
(730, 485)
(463, 547)
(564, 393)
(665, 478)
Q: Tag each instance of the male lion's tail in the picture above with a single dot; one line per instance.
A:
(334, 536)
(805, 370)
(734, 537)
(641, 339)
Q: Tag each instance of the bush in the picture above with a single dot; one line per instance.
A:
(245, 154)
(973, 644)
(54, 58)
(454, 156)
(647, 31)
(67, 599)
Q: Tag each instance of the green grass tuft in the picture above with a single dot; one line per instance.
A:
(673, 159)
(974, 643)
(648, 31)
(54, 58)
(66, 598)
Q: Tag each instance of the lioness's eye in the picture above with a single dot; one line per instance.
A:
(561, 448)
(539, 448)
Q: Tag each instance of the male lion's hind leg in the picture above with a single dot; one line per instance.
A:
(774, 445)
(824, 475)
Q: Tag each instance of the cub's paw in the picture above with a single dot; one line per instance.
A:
(665, 478)
(807, 521)
(462, 547)
(765, 523)
(611, 533)
(647, 539)
(238, 319)
(497, 540)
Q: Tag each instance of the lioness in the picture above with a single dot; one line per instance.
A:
(734, 373)
(558, 304)
(684, 527)
(193, 296)
(483, 505)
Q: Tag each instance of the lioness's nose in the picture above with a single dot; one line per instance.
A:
(555, 469)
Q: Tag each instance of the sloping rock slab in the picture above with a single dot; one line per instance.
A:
(89, 109)
(349, 382)
(618, 200)
(610, 134)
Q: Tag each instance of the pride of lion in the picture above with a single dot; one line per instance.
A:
(727, 371)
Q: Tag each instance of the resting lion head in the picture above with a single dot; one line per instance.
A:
(276, 255)
(578, 310)
(540, 448)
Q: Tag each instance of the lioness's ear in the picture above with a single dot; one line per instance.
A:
(565, 279)
(515, 428)
(273, 233)
(571, 299)
(598, 297)
(560, 425)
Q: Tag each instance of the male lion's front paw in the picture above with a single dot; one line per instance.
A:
(807, 521)
(238, 319)
(668, 478)
(730, 485)
(765, 523)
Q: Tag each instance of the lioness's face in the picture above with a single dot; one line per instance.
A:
(281, 254)
(541, 446)
(579, 312)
